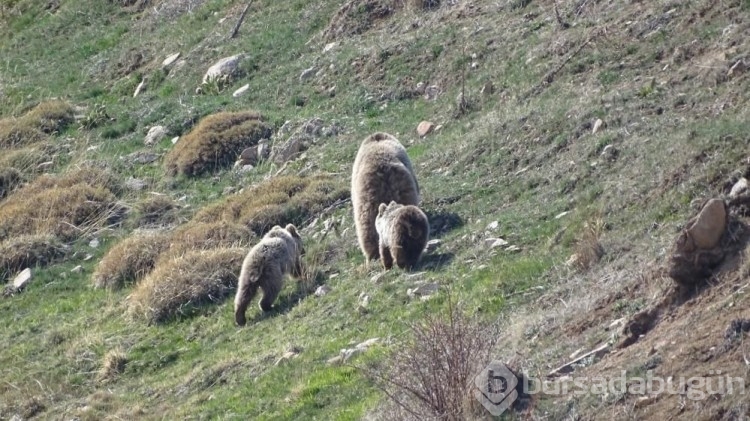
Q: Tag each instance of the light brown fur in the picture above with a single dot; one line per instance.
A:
(278, 253)
(382, 173)
(403, 232)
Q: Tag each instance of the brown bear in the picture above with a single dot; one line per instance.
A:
(279, 252)
(403, 232)
(382, 173)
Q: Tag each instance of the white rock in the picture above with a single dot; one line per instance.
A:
(492, 226)
(739, 187)
(322, 290)
(561, 214)
(513, 248)
(155, 134)
(224, 67)
(246, 169)
(94, 243)
(169, 60)
(77, 269)
(368, 343)
(597, 125)
(135, 184)
(433, 244)
(139, 88)
(423, 291)
(330, 46)
(22, 279)
(241, 90)
(175, 139)
(424, 128)
(307, 74)
(494, 242)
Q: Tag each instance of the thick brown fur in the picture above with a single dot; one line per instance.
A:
(279, 252)
(382, 173)
(403, 232)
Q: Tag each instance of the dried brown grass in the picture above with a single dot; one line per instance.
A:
(180, 286)
(67, 206)
(10, 178)
(215, 143)
(155, 210)
(24, 251)
(113, 365)
(46, 118)
(278, 201)
(588, 248)
(130, 260)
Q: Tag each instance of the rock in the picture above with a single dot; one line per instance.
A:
(139, 88)
(135, 184)
(431, 92)
(77, 269)
(87, 257)
(709, 225)
(363, 300)
(175, 139)
(330, 46)
(561, 214)
(225, 67)
(249, 156)
(609, 153)
(307, 74)
(348, 353)
(288, 355)
(739, 187)
(597, 125)
(313, 127)
(45, 165)
(22, 279)
(335, 360)
(513, 248)
(141, 157)
(423, 291)
(169, 60)
(94, 243)
(322, 290)
(375, 278)
(492, 226)
(155, 134)
(432, 245)
(287, 150)
(494, 242)
(424, 128)
(241, 90)
(245, 169)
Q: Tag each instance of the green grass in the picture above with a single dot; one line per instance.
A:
(520, 157)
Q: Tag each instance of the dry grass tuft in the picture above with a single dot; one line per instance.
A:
(181, 285)
(209, 235)
(588, 249)
(114, 364)
(10, 178)
(50, 116)
(67, 206)
(215, 143)
(156, 210)
(24, 251)
(47, 117)
(278, 201)
(130, 260)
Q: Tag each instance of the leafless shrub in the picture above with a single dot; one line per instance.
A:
(431, 375)
(588, 249)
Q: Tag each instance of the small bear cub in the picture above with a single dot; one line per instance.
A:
(403, 231)
(279, 252)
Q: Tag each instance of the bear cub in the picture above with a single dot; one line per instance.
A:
(278, 253)
(403, 231)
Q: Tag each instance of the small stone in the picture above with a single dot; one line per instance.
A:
(322, 290)
(493, 225)
(330, 46)
(561, 214)
(609, 153)
(77, 269)
(333, 275)
(364, 300)
(135, 184)
(368, 343)
(87, 257)
(513, 248)
(494, 242)
(139, 88)
(423, 291)
(45, 165)
(154, 135)
(335, 360)
(709, 225)
(94, 243)
(424, 128)
(431, 92)
(375, 278)
(597, 125)
(739, 187)
(245, 169)
(432, 245)
(169, 60)
(22, 279)
(175, 139)
(241, 90)
(307, 74)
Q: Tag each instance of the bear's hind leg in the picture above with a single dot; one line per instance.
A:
(245, 292)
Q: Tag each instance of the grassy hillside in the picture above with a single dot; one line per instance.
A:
(593, 129)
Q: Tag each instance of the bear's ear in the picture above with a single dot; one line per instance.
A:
(381, 208)
(393, 203)
(292, 230)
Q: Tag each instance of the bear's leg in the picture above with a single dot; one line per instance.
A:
(271, 288)
(245, 292)
(385, 257)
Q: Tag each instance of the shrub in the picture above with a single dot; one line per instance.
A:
(156, 210)
(215, 143)
(130, 260)
(24, 251)
(13, 133)
(182, 285)
(207, 236)
(278, 201)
